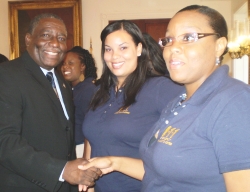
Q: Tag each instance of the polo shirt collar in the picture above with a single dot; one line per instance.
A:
(209, 86)
(118, 96)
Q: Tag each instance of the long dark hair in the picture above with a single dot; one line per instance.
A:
(155, 54)
(86, 58)
(136, 79)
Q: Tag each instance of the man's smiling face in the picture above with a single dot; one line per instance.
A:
(47, 43)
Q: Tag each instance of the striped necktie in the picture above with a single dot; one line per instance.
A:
(50, 77)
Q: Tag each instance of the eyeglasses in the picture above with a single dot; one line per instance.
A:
(184, 38)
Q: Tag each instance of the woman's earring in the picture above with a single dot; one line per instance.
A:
(81, 78)
(217, 62)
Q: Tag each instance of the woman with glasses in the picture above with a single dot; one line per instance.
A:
(201, 141)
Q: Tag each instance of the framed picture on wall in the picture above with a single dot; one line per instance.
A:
(22, 12)
(156, 28)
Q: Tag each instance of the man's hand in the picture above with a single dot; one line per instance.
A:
(74, 175)
(105, 164)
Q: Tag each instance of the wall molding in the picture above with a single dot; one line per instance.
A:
(105, 17)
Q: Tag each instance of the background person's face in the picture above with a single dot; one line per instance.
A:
(121, 54)
(72, 67)
(47, 44)
(190, 63)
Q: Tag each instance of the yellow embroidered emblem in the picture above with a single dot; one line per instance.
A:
(124, 111)
(168, 135)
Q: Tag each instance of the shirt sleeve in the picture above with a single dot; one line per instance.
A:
(61, 178)
(231, 134)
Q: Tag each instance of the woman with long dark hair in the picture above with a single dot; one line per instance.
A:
(128, 102)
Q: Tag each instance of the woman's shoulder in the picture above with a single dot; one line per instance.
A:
(155, 82)
(233, 87)
(87, 84)
(159, 79)
(162, 86)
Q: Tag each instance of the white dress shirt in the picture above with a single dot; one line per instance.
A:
(62, 103)
(58, 90)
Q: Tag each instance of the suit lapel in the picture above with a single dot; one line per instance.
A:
(68, 103)
(38, 75)
(65, 93)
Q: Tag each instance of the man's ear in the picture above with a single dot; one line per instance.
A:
(27, 39)
(221, 45)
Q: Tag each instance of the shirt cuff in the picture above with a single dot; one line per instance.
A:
(61, 178)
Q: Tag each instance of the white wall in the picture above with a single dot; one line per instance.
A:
(236, 4)
(240, 69)
(101, 11)
(240, 66)
(96, 13)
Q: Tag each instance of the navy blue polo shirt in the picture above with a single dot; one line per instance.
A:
(195, 142)
(118, 133)
(82, 95)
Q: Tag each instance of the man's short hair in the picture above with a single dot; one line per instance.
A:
(34, 22)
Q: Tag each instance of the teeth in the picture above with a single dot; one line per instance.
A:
(175, 63)
(117, 64)
(51, 53)
(66, 72)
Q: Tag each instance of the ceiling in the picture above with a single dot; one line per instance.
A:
(236, 4)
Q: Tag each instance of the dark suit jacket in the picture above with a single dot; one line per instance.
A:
(36, 139)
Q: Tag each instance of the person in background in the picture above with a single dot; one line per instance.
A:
(37, 150)
(128, 102)
(155, 54)
(3, 58)
(79, 69)
(201, 141)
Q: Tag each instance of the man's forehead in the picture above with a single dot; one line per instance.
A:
(50, 23)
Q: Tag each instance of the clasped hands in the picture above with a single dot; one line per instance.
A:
(84, 177)
(103, 164)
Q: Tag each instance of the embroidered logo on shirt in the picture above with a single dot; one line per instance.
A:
(124, 111)
(167, 135)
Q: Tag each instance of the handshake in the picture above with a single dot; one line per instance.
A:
(84, 173)
(89, 171)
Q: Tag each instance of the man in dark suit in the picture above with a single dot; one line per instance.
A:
(36, 117)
